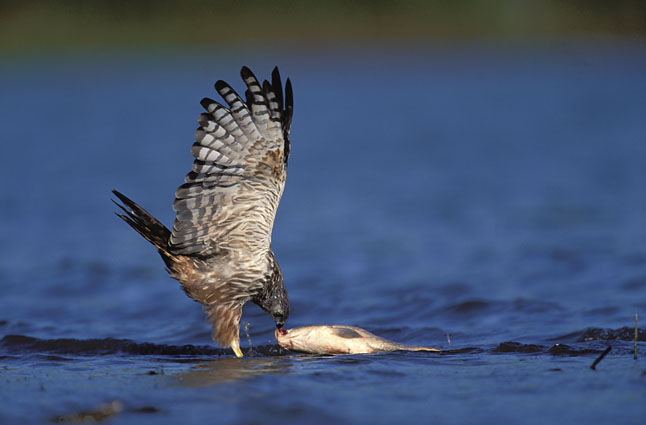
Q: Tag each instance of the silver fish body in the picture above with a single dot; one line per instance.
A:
(338, 339)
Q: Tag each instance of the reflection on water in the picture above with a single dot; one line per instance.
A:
(229, 369)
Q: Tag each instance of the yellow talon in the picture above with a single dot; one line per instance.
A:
(237, 350)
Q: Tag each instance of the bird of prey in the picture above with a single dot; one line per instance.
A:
(220, 246)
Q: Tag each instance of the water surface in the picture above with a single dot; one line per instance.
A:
(486, 201)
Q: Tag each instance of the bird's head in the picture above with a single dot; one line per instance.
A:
(273, 299)
(278, 305)
(275, 302)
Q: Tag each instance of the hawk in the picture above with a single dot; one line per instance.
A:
(220, 246)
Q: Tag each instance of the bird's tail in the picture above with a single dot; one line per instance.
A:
(144, 223)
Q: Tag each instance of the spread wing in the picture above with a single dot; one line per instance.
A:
(228, 202)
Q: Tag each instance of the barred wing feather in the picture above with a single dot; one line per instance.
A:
(228, 202)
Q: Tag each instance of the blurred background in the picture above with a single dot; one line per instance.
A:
(35, 26)
(463, 173)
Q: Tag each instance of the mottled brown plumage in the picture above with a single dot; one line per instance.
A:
(220, 246)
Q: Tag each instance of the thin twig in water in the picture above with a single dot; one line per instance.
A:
(635, 342)
(594, 364)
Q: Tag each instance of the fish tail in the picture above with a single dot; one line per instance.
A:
(396, 346)
(423, 349)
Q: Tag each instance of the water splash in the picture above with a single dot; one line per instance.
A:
(246, 327)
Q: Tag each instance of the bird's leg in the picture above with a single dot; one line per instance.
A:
(225, 319)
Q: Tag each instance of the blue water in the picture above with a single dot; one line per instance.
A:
(489, 201)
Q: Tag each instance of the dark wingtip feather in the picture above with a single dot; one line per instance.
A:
(249, 79)
(275, 74)
(289, 106)
(245, 73)
(266, 86)
(224, 89)
(287, 117)
(203, 120)
(220, 85)
(289, 95)
(277, 85)
(206, 102)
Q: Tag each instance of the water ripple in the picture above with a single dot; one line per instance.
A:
(107, 346)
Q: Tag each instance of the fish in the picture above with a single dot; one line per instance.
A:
(338, 339)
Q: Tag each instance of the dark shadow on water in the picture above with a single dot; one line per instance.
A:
(556, 349)
(465, 350)
(15, 344)
(600, 334)
(517, 347)
(621, 334)
(566, 350)
(105, 346)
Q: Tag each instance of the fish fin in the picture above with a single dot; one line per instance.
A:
(346, 333)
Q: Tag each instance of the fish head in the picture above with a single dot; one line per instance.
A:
(297, 339)
(284, 338)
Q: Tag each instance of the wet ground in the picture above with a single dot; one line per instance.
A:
(486, 201)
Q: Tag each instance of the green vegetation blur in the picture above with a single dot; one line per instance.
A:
(88, 24)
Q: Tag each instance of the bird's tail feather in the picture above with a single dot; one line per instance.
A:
(144, 223)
